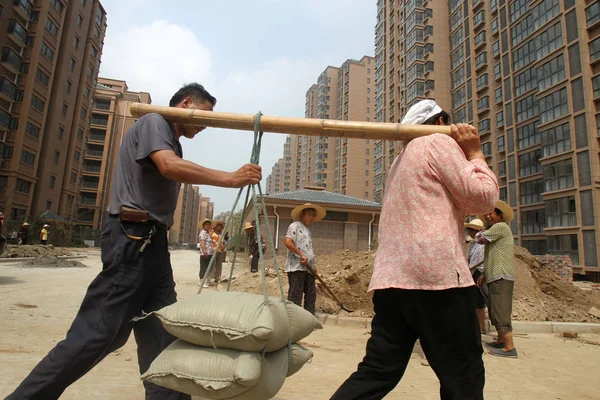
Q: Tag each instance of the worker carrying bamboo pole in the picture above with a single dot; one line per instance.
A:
(136, 276)
(422, 289)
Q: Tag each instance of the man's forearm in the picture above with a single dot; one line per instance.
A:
(184, 171)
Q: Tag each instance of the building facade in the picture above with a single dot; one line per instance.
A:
(110, 121)
(50, 59)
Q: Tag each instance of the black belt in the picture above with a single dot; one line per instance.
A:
(151, 222)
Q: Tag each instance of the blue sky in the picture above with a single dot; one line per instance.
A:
(252, 55)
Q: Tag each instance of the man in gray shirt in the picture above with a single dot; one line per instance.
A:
(136, 276)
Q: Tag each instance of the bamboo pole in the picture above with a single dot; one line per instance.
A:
(295, 126)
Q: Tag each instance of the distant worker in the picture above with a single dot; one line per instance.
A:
(206, 248)
(24, 233)
(216, 234)
(44, 234)
(475, 259)
(253, 246)
(300, 261)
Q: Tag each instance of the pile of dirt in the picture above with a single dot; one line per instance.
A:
(30, 250)
(540, 294)
(52, 262)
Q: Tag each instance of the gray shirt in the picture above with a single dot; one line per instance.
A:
(137, 182)
(302, 238)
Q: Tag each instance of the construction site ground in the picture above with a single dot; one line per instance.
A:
(38, 305)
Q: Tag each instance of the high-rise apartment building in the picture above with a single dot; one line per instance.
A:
(527, 74)
(343, 93)
(412, 62)
(49, 63)
(275, 179)
(110, 121)
(185, 220)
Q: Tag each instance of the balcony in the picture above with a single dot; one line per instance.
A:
(11, 60)
(85, 215)
(103, 105)
(94, 153)
(97, 135)
(93, 185)
(23, 8)
(17, 33)
(4, 119)
(101, 120)
(93, 169)
(88, 201)
(7, 90)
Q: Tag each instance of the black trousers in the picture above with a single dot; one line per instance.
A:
(302, 283)
(446, 323)
(130, 282)
(204, 263)
(255, 259)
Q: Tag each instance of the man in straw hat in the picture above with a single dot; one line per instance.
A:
(300, 257)
(206, 247)
(253, 246)
(422, 289)
(499, 270)
(475, 259)
(136, 275)
(44, 234)
(24, 233)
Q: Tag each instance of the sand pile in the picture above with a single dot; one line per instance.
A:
(540, 294)
(52, 262)
(30, 250)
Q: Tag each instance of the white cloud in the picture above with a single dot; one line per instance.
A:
(156, 58)
(159, 57)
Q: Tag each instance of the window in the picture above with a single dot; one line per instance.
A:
(525, 81)
(564, 245)
(456, 39)
(42, 77)
(498, 94)
(524, 55)
(52, 181)
(556, 140)
(83, 112)
(83, 3)
(551, 73)
(533, 222)
(22, 186)
(531, 191)
(494, 25)
(529, 163)
(76, 155)
(458, 57)
(501, 143)
(481, 59)
(458, 77)
(96, 32)
(48, 204)
(79, 133)
(499, 119)
(497, 71)
(553, 106)
(417, 89)
(366, 162)
(559, 175)
(37, 103)
(86, 92)
(526, 108)
(482, 81)
(483, 103)
(592, 13)
(528, 135)
(480, 39)
(461, 116)
(501, 169)
(32, 130)
(503, 194)
(518, 8)
(549, 40)
(522, 30)
(79, 20)
(12, 58)
(561, 212)
(536, 247)
(483, 126)
(73, 177)
(366, 194)
(47, 51)
(544, 12)
(51, 26)
(90, 71)
(27, 158)
(76, 42)
(595, 50)
(57, 5)
(456, 18)
(486, 148)
(17, 30)
(65, 109)
(496, 48)
(56, 157)
(24, 68)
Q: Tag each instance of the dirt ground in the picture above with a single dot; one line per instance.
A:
(38, 305)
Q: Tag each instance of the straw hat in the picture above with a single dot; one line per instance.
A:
(26, 224)
(215, 223)
(475, 224)
(205, 220)
(248, 225)
(320, 211)
(508, 213)
(46, 226)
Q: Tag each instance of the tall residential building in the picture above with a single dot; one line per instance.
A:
(50, 59)
(412, 62)
(343, 93)
(185, 220)
(527, 74)
(275, 179)
(110, 121)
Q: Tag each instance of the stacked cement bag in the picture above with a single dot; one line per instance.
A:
(231, 345)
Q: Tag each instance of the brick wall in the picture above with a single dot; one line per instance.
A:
(561, 265)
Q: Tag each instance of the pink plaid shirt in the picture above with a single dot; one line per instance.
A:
(430, 189)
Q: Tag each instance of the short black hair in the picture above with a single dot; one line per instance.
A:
(194, 90)
(433, 120)
(498, 212)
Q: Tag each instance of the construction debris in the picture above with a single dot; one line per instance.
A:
(540, 294)
(28, 250)
(52, 262)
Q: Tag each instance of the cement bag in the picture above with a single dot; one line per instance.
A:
(205, 372)
(272, 376)
(300, 356)
(239, 321)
